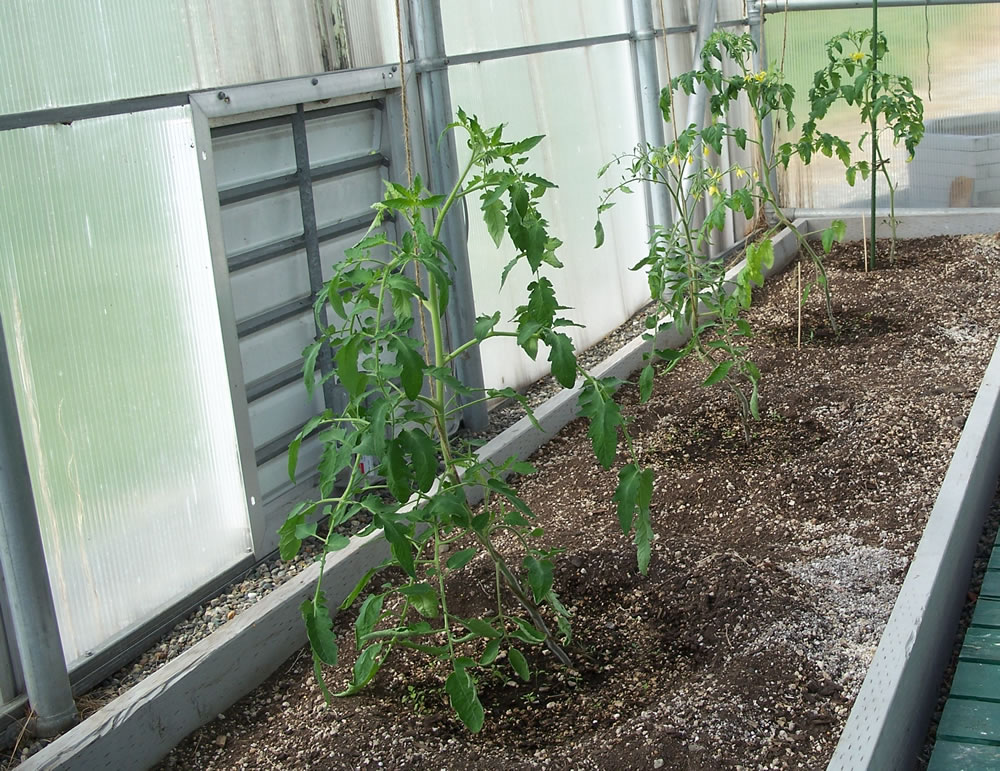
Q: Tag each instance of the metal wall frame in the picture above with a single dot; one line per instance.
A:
(321, 94)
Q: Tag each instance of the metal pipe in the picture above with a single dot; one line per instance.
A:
(647, 91)
(696, 104)
(23, 561)
(776, 6)
(442, 160)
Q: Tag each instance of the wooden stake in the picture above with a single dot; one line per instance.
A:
(864, 240)
(799, 274)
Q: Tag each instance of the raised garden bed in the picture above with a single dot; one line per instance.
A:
(774, 569)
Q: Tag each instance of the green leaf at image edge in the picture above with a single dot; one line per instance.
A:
(461, 690)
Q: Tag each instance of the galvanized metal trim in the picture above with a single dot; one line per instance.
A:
(352, 225)
(430, 64)
(255, 189)
(67, 115)
(274, 316)
(241, 260)
(230, 341)
(241, 100)
(349, 166)
(777, 6)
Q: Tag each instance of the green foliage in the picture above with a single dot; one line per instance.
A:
(852, 74)
(388, 300)
(690, 290)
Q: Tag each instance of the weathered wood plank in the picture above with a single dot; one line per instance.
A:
(987, 613)
(991, 584)
(960, 756)
(974, 680)
(981, 644)
(970, 719)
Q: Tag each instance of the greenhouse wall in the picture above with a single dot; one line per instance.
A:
(139, 244)
(112, 325)
(949, 52)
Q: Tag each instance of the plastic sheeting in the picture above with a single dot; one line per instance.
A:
(950, 54)
(59, 53)
(113, 333)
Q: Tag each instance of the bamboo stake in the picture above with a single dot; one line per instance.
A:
(864, 239)
(799, 274)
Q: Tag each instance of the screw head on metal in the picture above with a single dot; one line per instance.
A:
(315, 81)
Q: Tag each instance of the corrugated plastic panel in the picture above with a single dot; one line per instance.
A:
(113, 333)
(491, 24)
(578, 97)
(955, 79)
(59, 53)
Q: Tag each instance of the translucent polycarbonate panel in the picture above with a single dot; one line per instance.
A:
(492, 24)
(269, 284)
(950, 54)
(59, 53)
(583, 100)
(371, 32)
(344, 197)
(113, 332)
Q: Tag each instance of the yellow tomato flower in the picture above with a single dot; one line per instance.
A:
(740, 172)
(675, 160)
(713, 189)
(858, 56)
(761, 76)
(705, 150)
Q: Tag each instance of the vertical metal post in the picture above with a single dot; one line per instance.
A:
(698, 100)
(442, 160)
(309, 230)
(23, 561)
(755, 20)
(647, 88)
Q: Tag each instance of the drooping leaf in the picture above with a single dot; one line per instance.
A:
(347, 367)
(496, 220)
(719, 373)
(539, 576)
(412, 376)
(562, 357)
(366, 665)
(605, 417)
(519, 664)
(627, 495)
(490, 654)
(368, 617)
(598, 234)
(319, 629)
(423, 456)
(310, 355)
(461, 689)
(288, 542)
(646, 383)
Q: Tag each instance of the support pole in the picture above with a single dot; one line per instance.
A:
(698, 100)
(873, 130)
(777, 6)
(647, 86)
(442, 160)
(755, 20)
(23, 562)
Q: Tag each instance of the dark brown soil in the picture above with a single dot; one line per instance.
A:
(774, 566)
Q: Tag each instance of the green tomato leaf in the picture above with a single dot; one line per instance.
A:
(480, 627)
(412, 376)
(646, 383)
(423, 598)
(366, 665)
(496, 220)
(598, 234)
(319, 629)
(461, 690)
(562, 357)
(490, 654)
(605, 417)
(539, 576)
(719, 373)
(519, 664)
(460, 559)
(347, 367)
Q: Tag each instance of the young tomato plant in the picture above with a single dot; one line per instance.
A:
(401, 397)
(690, 290)
(852, 74)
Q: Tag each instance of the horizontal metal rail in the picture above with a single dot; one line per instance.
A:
(275, 381)
(777, 6)
(290, 309)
